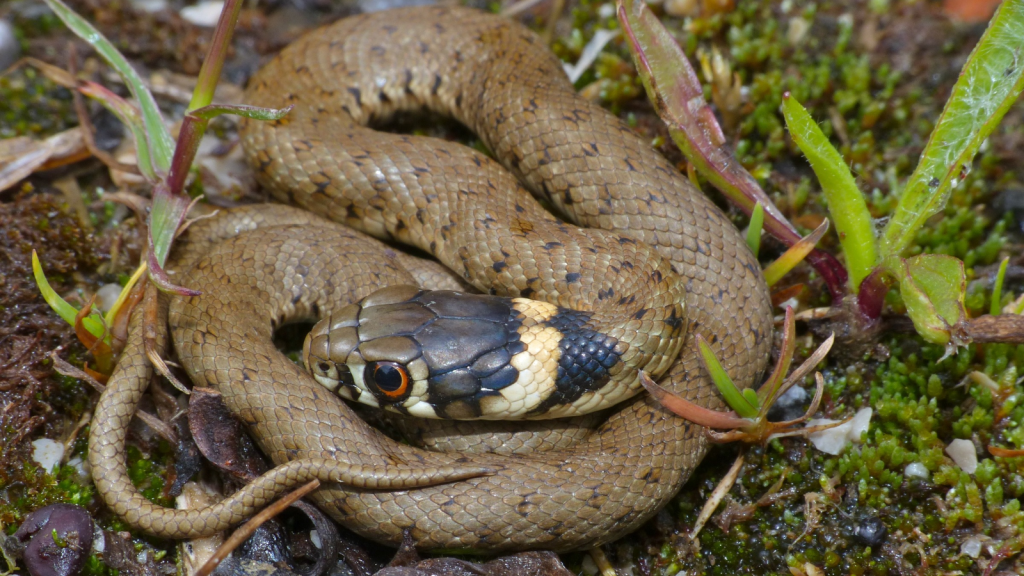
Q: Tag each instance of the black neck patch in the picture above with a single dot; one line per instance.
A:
(586, 356)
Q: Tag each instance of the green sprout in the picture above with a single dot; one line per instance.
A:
(162, 161)
(995, 308)
(748, 422)
(754, 230)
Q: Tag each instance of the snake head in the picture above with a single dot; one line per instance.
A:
(441, 354)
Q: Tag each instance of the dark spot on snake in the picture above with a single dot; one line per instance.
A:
(302, 145)
(627, 265)
(640, 314)
(630, 165)
(378, 51)
(357, 94)
(499, 266)
(624, 240)
(526, 292)
(656, 276)
(433, 247)
(383, 97)
(673, 320)
(567, 198)
(572, 277)
(519, 208)
(315, 309)
(458, 100)
(436, 85)
(424, 48)
(605, 294)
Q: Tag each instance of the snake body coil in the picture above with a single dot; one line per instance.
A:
(471, 214)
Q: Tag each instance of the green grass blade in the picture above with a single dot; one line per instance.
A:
(733, 397)
(846, 204)
(159, 139)
(995, 308)
(754, 230)
(795, 255)
(66, 311)
(989, 83)
(130, 117)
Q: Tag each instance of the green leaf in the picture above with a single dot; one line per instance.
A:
(795, 255)
(130, 117)
(933, 287)
(754, 229)
(93, 322)
(995, 308)
(678, 97)
(846, 204)
(989, 83)
(251, 112)
(159, 139)
(733, 397)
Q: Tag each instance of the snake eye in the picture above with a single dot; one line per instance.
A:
(390, 378)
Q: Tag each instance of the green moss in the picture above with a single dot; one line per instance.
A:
(32, 105)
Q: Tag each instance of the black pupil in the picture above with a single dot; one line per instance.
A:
(388, 377)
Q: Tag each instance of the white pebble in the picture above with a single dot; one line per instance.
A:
(47, 453)
(916, 470)
(107, 296)
(971, 547)
(314, 537)
(149, 6)
(963, 454)
(10, 50)
(833, 441)
(203, 14)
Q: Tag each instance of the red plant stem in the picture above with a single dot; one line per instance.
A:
(872, 293)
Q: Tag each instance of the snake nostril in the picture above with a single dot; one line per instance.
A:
(324, 367)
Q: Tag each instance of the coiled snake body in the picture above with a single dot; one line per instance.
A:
(469, 212)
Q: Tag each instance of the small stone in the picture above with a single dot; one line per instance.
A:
(47, 453)
(149, 6)
(682, 8)
(916, 470)
(203, 14)
(971, 547)
(10, 50)
(871, 531)
(107, 296)
(64, 556)
(833, 441)
(963, 454)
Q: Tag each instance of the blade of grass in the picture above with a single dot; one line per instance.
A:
(795, 255)
(996, 308)
(158, 138)
(690, 411)
(989, 83)
(130, 117)
(209, 74)
(93, 322)
(733, 397)
(678, 98)
(754, 229)
(846, 204)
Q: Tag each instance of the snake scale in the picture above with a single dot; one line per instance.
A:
(469, 212)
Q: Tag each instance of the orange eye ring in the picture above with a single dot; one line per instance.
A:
(389, 378)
